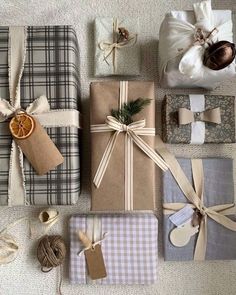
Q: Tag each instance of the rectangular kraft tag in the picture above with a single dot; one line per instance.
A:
(95, 263)
(40, 150)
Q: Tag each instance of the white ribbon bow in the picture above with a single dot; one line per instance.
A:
(132, 130)
(38, 106)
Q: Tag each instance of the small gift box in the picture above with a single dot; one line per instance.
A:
(208, 233)
(117, 51)
(185, 38)
(198, 119)
(128, 244)
(123, 159)
(39, 77)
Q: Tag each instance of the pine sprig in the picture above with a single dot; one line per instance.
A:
(128, 110)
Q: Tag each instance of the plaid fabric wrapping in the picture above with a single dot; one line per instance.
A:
(129, 250)
(51, 68)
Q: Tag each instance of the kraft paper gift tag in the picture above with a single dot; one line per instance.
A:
(37, 146)
(94, 257)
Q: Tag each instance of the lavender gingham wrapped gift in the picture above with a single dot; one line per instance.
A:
(129, 248)
(50, 70)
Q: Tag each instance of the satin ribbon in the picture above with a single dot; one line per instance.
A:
(195, 197)
(110, 47)
(40, 108)
(187, 116)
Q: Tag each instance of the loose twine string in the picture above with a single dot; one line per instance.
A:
(51, 253)
(51, 250)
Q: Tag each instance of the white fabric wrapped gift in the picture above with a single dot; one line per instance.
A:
(181, 57)
(112, 58)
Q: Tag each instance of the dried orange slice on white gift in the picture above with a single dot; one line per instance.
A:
(22, 126)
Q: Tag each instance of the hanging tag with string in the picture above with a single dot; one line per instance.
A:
(34, 142)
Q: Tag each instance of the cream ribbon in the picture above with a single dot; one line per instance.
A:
(47, 218)
(195, 197)
(132, 132)
(110, 47)
(39, 108)
(187, 116)
(9, 247)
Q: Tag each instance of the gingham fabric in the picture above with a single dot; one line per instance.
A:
(129, 249)
(51, 68)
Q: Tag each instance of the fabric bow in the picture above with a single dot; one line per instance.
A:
(195, 197)
(187, 116)
(189, 41)
(38, 106)
(132, 130)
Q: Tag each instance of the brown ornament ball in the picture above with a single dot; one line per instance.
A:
(219, 55)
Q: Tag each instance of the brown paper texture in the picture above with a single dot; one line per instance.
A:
(40, 150)
(110, 195)
(95, 263)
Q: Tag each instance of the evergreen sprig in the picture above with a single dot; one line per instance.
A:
(128, 110)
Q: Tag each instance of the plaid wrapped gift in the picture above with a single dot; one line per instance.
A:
(129, 249)
(51, 68)
(218, 190)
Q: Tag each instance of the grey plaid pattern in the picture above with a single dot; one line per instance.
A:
(129, 250)
(51, 68)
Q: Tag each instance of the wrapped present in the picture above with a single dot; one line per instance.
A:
(206, 228)
(39, 77)
(117, 51)
(123, 159)
(128, 243)
(198, 119)
(183, 40)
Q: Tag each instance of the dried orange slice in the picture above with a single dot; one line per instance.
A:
(22, 126)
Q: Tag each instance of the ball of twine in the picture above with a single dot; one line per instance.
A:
(51, 252)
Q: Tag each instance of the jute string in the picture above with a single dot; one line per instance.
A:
(51, 252)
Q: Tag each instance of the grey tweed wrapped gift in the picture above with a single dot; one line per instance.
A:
(218, 190)
(51, 69)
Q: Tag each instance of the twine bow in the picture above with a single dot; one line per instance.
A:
(87, 243)
(187, 116)
(202, 37)
(195, 197)
(132, 130)
(109, 48)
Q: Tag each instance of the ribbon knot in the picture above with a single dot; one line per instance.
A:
(202, 37)
(203, 210)
(187, 116)
(131, 130)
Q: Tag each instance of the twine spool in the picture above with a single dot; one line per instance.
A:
(51, 252)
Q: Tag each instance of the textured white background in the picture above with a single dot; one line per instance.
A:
(23, 276)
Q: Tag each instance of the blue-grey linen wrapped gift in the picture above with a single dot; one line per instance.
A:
(115, 55)
(217, 202)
